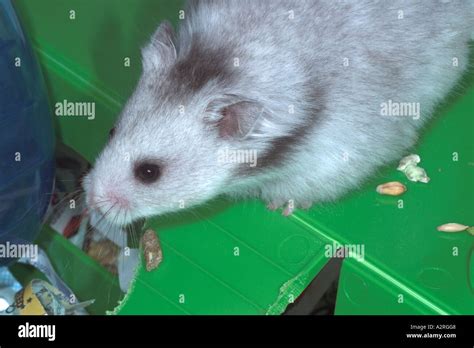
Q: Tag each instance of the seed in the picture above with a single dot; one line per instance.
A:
(393, 188)
(452, 227)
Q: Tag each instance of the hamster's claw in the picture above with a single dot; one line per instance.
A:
(289, 209)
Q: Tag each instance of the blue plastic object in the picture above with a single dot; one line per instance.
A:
(26, 136)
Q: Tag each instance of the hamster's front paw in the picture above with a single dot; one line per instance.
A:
(288, 206)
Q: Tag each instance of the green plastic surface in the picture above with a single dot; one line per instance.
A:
(240, 258)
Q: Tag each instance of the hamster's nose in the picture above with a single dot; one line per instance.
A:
(115, 199)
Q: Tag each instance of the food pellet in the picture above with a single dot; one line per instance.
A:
(151, 250)
(105, 252)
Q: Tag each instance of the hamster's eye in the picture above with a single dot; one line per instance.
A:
(111, 133)
(146, 172)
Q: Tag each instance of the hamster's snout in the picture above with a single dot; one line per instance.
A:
(110, 198)
(108, 203)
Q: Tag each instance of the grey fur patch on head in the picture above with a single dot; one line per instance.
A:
(199, 65)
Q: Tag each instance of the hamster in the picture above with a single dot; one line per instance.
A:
(294, 102)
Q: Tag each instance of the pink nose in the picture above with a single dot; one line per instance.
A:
(114, 199)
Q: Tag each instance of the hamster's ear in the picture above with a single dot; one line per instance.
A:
(235, 118)
(161, 50)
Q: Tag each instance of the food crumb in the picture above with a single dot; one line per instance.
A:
(409, 166)
(151, 250)
(105, 252)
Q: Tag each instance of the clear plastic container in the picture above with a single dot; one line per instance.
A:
(26, 136)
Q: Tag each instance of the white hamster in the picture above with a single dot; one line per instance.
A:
(294, 102)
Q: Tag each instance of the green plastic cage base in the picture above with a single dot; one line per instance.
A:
(409, 267)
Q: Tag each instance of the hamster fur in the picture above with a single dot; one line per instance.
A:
(301, 83)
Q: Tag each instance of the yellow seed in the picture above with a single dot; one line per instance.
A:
(452, 227)
(393, 188)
